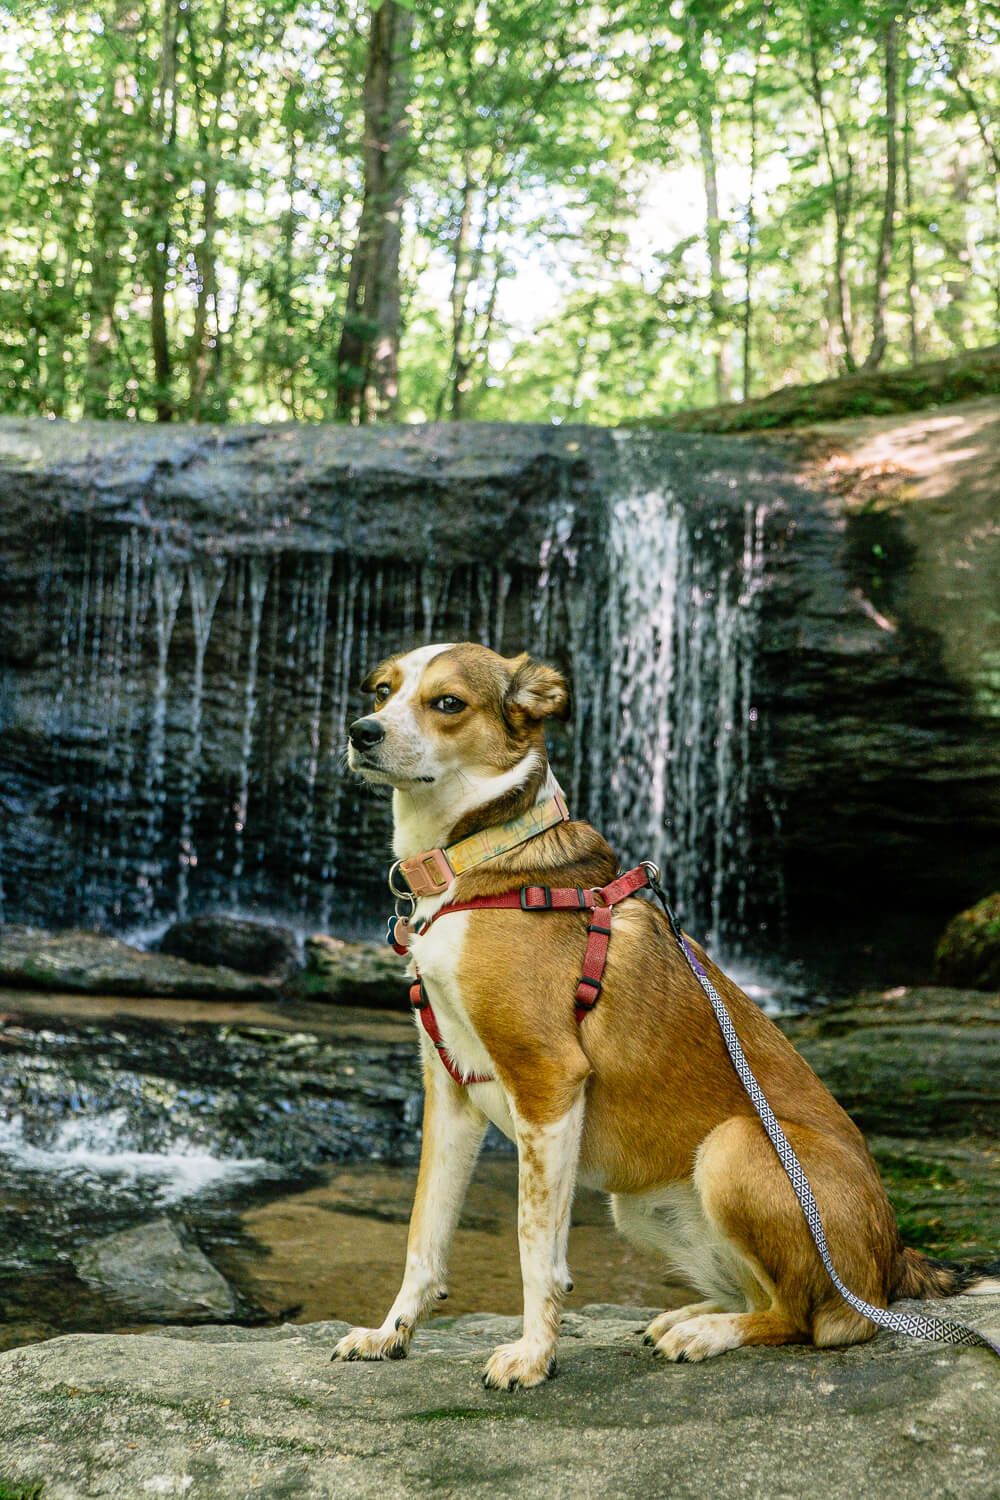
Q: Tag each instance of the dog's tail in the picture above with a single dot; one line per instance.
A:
(917, 1275)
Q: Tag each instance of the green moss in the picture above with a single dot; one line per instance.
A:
(33, 1489)
(464, 1414)
(947, 1213)
(880, 393)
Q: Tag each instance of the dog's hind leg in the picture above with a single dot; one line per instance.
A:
(453, 1130)
(547, 1160)
(749, 1202)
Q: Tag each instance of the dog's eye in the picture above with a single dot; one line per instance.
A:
(382, 692)
(449, 704)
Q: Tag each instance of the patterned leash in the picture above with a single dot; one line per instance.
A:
(944, 1331)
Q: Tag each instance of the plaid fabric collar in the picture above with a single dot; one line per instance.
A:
(432, 871)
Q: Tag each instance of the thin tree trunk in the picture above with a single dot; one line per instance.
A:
(159, 233)
(368, 353)
(451, 391)
(748, 267)
(911, 247)
(957, 317)
(713, 238)
(200, 355)
(108, 239)
(841, 202)
(887, 229)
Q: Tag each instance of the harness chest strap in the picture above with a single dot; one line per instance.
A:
(539, 898)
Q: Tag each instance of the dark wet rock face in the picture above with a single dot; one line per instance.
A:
(968, 952)
(762, 701)
(236, 943)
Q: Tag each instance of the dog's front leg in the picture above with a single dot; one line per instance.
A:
(547, 1161)
(453, 1130)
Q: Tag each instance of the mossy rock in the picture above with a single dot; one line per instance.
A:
(969, 950)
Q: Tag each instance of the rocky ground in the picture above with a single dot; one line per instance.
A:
(226, 1412)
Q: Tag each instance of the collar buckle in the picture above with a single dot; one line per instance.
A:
(427, 874)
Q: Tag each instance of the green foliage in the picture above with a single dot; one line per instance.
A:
(183, 187)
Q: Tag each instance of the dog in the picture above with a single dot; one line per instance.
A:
(637, 1097)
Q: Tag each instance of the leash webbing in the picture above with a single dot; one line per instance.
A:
(942, 1330)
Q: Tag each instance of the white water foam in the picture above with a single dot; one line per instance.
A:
(98, 1146)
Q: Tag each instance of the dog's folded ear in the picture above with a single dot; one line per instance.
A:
(535, 692)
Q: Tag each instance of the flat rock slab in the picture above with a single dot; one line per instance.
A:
(226, 1412)
(352, 973)
(152, 1271)
(91, 963)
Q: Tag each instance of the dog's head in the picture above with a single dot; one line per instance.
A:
(453, 708)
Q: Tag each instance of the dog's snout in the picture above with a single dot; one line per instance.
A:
(365, 733)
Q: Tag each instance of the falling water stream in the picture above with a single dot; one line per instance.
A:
(212, 696)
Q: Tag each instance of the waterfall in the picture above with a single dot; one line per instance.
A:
(204, 587)
(677, 759)
(198, 726)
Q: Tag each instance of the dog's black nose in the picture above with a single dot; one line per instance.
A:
(364, 733)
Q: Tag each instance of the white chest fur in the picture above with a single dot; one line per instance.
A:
(437, 955)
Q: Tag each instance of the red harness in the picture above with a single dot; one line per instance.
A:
(538, 898)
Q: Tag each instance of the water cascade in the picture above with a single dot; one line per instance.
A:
(195, 743)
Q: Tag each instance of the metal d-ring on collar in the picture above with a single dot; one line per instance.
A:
(401, 895)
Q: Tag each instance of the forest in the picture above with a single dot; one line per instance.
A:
(232, 210)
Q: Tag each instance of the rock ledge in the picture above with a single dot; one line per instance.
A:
(226, 1412)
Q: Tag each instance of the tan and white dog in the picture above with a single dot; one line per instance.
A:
(640, 1099)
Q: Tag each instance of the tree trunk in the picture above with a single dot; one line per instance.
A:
(911, 248)
(841, 203)
(748, 267)
(106, 246)
(713, 238)
(205, 403)
(887, 229)
(159, 227)
(368, 353)
(451, 393)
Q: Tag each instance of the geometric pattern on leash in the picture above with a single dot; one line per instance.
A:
(916, 1325)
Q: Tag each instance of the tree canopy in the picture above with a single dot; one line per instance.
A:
(502, 209)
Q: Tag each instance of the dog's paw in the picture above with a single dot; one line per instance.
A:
(697, 1339)
(664, 1321)
(374, 1343)
(515, 1367)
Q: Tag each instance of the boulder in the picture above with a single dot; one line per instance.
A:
(353, 973)
(153, 1273)
(225, 1412)
(968, 952)
(239, 943)
(92, 964)
(909, 1061)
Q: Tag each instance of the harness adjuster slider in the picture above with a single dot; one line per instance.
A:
(545, 904)
(418, 995)
(604, 931)
(595, 985)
